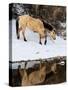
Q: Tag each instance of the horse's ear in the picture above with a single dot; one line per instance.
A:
(54, 30)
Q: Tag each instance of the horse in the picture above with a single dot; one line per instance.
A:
(35, 77)
(36, 25)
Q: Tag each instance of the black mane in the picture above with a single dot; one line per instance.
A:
(47, 25)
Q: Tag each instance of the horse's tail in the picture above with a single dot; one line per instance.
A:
(17, 27)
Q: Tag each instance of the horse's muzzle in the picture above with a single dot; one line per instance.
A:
(54, 38)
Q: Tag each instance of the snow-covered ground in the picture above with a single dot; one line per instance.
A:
(32, 50)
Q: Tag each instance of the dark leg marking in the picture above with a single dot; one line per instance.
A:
(45, 42)
(45, 39)
(40, 41)
(18, 37)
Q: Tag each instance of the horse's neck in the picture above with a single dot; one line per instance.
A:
(48, 33)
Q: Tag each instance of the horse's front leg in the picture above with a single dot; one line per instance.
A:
(18, 35)
(45, 40)
(24, 35)
(40, 40)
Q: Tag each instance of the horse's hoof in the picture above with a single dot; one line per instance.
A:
(40, 43)
(25, 40)
(18, 37)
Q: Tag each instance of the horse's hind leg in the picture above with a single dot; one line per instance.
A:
(17, 27)
(18, 36)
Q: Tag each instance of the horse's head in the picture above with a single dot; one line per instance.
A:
(53, 34)
(49, 28)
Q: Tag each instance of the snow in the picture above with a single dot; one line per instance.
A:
(32, 50)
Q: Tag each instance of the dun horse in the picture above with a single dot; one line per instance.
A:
(37, 76)
(36, 25)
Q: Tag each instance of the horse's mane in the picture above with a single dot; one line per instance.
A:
(47, 25)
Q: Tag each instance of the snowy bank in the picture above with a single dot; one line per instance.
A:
(32, 50)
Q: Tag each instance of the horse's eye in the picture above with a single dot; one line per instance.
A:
(53, 32)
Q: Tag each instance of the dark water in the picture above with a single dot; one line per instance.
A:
(51, 78)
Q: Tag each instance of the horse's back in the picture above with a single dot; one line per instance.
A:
(30, 21)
